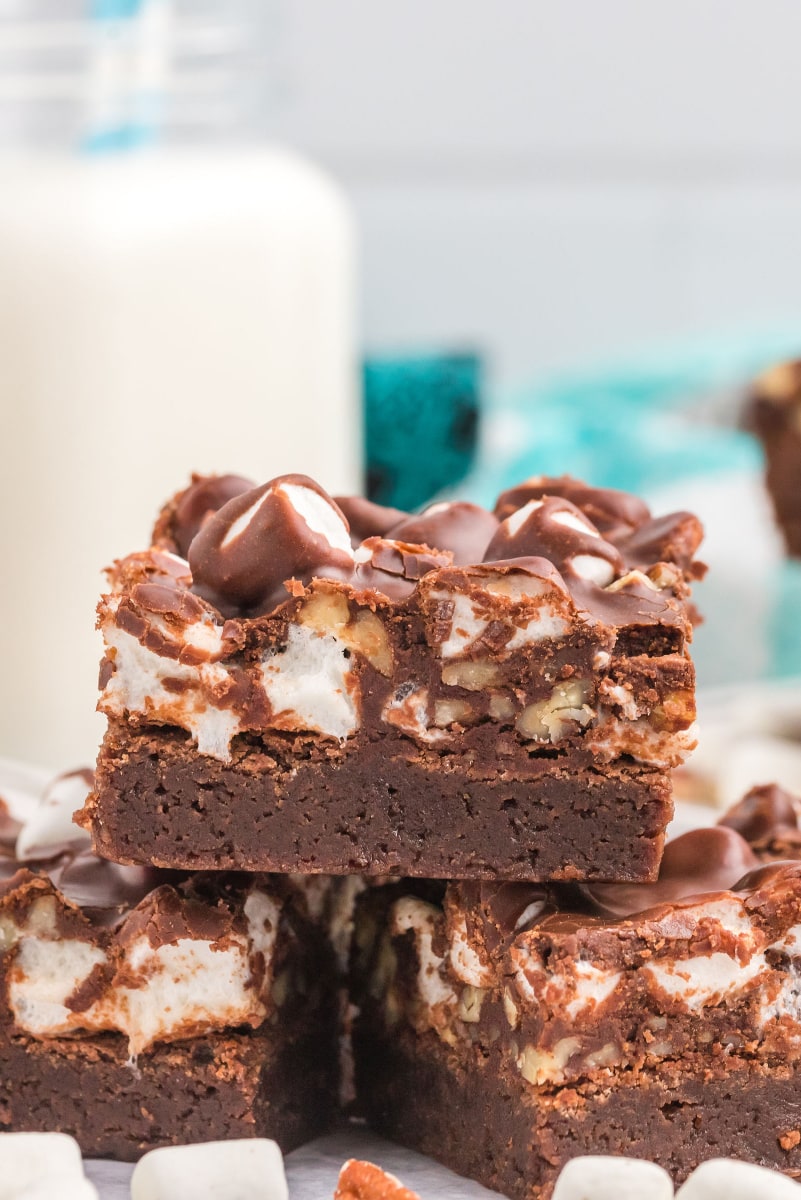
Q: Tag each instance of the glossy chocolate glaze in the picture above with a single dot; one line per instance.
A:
(557, 530)
(249, 547)
(253, 573)
(201, 500)
(464, 529)
(702, 862)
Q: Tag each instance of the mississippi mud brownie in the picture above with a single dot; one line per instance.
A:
(335, 687)
(774, 414)
(142, 1008)
(507, 1027)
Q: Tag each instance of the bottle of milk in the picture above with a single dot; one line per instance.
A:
(173, 297)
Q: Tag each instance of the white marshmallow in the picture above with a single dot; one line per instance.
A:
(597, 1177)
(307, 684)
(248, 1169)
(39, 1165)
(730, 1179)
(319, 514)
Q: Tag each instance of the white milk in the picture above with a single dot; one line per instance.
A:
(160, 312)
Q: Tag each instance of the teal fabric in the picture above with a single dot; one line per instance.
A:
(643, 426)
(637, 425)
(421, 424)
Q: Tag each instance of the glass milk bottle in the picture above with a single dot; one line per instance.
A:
(174, 296)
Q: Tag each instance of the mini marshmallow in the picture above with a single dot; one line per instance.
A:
(40, 1165)
(730, 1179)
(248, 1169)
(597, 1177)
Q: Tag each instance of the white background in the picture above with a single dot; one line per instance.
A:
(559, 182)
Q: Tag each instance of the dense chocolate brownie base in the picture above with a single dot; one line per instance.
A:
(234, 1085)
(513, 1138)
(376, 812)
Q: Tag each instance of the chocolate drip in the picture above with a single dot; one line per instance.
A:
(497, 912)
(703, 860)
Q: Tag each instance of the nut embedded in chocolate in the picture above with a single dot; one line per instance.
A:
(557, 530)
(287, 529)
(464, 529)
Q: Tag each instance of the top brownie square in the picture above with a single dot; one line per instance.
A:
(298, 684)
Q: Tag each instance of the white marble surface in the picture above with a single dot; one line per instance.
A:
(312, 1171)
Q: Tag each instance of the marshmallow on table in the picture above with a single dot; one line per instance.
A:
(597, 1177)
(730, 1179)
(38, 1165)
(247, 1169)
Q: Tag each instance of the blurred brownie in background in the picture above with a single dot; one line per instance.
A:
(774, 415)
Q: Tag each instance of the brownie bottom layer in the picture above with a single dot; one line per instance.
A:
(379, 810)
(228, 1086)
(493, 1128)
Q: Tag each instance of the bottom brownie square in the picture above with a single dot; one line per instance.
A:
(474, 1116)
(275, 1083)
(507, 1028)
(143, 1008)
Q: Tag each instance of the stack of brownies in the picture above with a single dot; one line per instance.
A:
(446, 741)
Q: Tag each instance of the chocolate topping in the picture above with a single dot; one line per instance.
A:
(368, 520)
(205, 496)
(105, 891)
(674, 538)
(703, 860)
(267, 543)
(287, 529)
(764, 816)
(613, 513)
(394, 568)
(464, 529)
(497, 912)
(556, 529)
